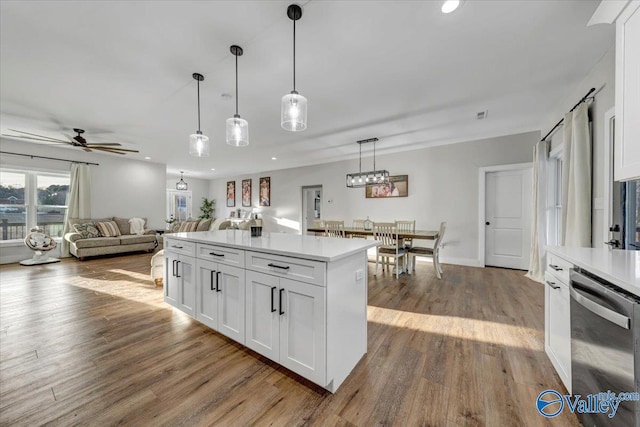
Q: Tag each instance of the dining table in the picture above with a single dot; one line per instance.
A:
(417, 234)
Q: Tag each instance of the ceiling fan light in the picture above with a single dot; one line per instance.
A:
(293, 112)
(199, 145)
(237, 132)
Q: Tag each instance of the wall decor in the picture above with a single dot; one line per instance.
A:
(398, 186)
(231, 194)
(265, 191)
(246, 192)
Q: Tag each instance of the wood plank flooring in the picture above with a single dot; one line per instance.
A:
(93, 343)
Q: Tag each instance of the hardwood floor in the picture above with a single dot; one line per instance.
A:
(93, 343)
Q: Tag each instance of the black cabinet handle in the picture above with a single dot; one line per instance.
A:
(173, 268)
(555, 267)
(284, 267)
(218, 282)
(553, 285)
(178, 269)
(215, 254)
(280, 302)
(177, 247)
(212, 273)
(273, 309)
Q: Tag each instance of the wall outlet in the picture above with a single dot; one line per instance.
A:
(359, 274)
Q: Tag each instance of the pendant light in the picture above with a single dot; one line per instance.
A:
(361, 179)
(293, 113)
(237, 128)
(181, 185)
(198, 143)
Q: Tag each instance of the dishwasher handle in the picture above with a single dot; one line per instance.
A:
(604, 312)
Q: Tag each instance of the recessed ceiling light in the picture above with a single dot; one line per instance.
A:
(213, 169)
(147, 158)
(450, 5)
(274, 158)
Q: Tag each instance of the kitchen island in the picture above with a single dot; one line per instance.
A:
(300, 301)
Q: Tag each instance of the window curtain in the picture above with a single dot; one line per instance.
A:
(79, 200)
(539, 218)
(576, 179)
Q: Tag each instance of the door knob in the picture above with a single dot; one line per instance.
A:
(487, 223)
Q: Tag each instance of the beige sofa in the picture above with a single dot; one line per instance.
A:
(126, 242)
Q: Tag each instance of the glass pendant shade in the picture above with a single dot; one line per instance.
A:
(199, 145)
(294, 112)
(237, 132)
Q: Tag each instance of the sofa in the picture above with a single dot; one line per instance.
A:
(88, 245)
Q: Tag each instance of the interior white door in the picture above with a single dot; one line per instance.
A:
(508, 204)
(311, 205)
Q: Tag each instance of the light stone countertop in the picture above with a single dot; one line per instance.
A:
(324, 249)
(622, 268)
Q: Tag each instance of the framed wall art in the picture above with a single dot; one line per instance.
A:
(246, 193)
(231, 194)
(398, 186)
(265, 191)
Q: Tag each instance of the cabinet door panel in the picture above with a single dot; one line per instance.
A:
(231, 302)
(170, 279)
(263, 325)
(187, 287)
(303, 330)
(207, 298)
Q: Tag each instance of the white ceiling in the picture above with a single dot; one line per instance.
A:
(398, 70)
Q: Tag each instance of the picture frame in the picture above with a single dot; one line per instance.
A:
(398, 187)
(246, 193)
(231, 194)
(264, 194)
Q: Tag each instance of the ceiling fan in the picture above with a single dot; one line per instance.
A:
(76, 141)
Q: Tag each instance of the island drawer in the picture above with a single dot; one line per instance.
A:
(303, 270)
(221, 254)
(558, 267)
(180, 247)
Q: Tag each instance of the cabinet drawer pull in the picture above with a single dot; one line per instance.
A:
(280, 302)
(218, 281)
(553, 285)
(273, 309)
(555, 267)
(284, 267)
(177, 247)
(215, 254)
(212, 273)
(178, 269)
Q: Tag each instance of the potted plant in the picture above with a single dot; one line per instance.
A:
(207, 208)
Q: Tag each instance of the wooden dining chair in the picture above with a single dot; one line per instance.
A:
(387, 234)
(318, 223)
(406, 227)
(433, 252)
(358, 224)
(334, 229)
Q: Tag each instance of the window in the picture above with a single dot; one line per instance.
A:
(29, 199)
(554, 198)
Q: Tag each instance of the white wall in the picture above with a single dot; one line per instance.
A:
(199, 188)
(443, 186)
(120, 186)
(601, 76)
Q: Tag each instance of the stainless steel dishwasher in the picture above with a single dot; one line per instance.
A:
(605, 354)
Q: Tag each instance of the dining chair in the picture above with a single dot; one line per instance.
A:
(318, 223)
(358, 224)
(433, 252)
(387, 234)
(334, 229)
(407, 227)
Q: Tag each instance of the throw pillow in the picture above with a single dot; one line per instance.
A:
(88, 230)
(188, 226)
(204, 224)
(108, 228)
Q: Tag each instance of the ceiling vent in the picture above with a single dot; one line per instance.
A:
(482, 114)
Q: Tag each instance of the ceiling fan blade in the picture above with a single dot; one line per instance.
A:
(109, 150)
(99, 147)
(104, 143)
(36, 139)
(36, 135)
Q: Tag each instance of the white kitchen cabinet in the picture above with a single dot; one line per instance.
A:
(180, 283)
(627, 132)
(286, 323)
(557, 324)
(220, 298)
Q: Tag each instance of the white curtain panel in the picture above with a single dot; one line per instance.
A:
(576, 179)
(79, 200)
(539, 214)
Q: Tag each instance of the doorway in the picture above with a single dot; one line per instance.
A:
(506, 204)
(311, 206)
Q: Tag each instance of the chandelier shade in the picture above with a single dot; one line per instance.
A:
(362, 179)
(198, 142)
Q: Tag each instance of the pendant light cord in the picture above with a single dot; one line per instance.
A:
(374, 155)
(294, 55)
(198, 105)
(360, 167)
(236, 84)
